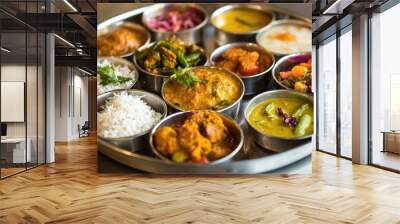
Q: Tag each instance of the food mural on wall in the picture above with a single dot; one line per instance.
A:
(205, 88)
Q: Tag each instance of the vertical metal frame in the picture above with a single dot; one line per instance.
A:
(0, 93)
(369, 77)
(26, 88)
(316, 97)
(37, 91)
(338, 74)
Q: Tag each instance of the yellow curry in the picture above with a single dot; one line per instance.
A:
(282, 117)
(200, 138)
(214, 89)
(242, 20)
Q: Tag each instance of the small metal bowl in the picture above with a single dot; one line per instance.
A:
(192, 35)
(154, 82)
(233, 127)
(224, 37)
(261, 35)
(138, 28)
(231, 110)
(253, 83)
(286, 63)
(119, 61)
(269, 142)
(139, 141)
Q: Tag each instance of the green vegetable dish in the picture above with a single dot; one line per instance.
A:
(169, 55)
(109, 77)
(283, 117)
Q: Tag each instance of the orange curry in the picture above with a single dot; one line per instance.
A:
(200, 138)
(119, 41)
(244, 62)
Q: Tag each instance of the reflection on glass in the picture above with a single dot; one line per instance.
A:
(346, 94)
(15, 151)
(327, 97)
(385, 84)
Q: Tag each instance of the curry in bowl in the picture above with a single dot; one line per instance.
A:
(121, 40)
(202, 88)
(242, 20)
(201, 137)
(286, 118)
(244, 60)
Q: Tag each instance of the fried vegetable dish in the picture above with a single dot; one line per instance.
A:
(298, 78)
(200, 138)
(202, 88)
(244, 62)
(283, 117)
(168, 55)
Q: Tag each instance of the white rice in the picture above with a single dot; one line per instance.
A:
(120, 70)
(125, 115)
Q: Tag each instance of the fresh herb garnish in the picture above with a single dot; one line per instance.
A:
(108, 76)
(186, 77)
(244, 22)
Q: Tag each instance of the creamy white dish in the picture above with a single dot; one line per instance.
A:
(287, 38)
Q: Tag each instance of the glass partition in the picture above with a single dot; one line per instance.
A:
(385, 90)
(327, 96)
(23, 90)
(14, 153)
(346, 93)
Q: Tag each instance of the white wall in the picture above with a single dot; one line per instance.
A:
(70, 84)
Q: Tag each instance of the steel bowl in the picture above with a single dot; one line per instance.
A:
(224, 37)
(233, 127)
(269, 142)
(154, 82)
(138, 141)
(120, 61)
(231, 110)
(192, 35)
(254, 83)
(134, 26)
(286, 63)
(261, 34)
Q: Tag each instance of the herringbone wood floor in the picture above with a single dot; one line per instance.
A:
(71, 191)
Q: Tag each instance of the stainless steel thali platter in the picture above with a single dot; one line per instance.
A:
(251, 159)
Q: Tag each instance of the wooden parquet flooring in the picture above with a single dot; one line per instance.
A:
(71, 191)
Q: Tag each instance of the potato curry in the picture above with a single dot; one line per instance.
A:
(202, 88)
(244, 62)
(200, 138)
